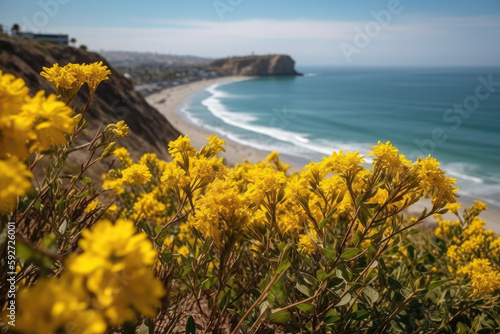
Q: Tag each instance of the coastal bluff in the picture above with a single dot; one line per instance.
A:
(269, 65)
(114, 100)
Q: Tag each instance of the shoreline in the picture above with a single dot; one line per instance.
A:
(169, 100)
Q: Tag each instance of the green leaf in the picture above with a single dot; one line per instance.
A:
(304, 289)
(320, 275)
(394, 283)
(86, 180)
(349, 253)
(332, 319)
(360, 315)
(280, 317)
(436, 284)
(371, 294)
(345, 300)
(360, 199)
(146, 229)
(167, 256)
(186, 271)
(284, 266)
(224, 300)
(190, 325)
(143, 329)
(37, 204)
(357, 237)
(330, 255)
(307, 308)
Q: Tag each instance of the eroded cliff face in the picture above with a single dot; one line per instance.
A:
(114, 100)
(255, 65)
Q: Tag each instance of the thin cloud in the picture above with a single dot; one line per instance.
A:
(442, 39)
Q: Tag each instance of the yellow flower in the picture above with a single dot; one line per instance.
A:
(445, 227)
(52, 120)
(92, 206)
(222, 212)
(67, 80)
(61, 307)
(16, 135)
(114, 263)
(265, 185)
(181, 148)
(95, 74)
(453, 253)
(434, 182)
(123, 155)
(174, 176)
(297, 187)
(208, 169)
(479, 206)
(274, 158)
(495, 247)
(345, 164)
(306, 245)
(453, 207)
(485, 283)
(136, 174)
(121, 130)
(213, 147)
(14, 182)
(183, 250)
(388, 157)
(13, 91)
(380, 197)
(149, 158)
(112, 210)
(147, 206)
(116, 185)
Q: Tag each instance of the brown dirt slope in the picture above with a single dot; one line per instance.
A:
(114, 100)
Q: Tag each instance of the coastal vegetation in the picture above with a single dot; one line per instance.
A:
(192, 245)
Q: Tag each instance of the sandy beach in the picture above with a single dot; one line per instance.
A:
(169, 100)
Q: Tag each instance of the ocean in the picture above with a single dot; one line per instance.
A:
(451, 113)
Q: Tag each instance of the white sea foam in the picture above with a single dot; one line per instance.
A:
(267, 138)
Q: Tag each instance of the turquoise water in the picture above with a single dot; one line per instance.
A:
(451, 113)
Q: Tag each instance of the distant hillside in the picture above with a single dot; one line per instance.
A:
(115, 98)
(130, 59)
(255, 65)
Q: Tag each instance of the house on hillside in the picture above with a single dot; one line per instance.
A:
(56, 38)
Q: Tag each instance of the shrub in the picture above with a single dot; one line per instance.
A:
(193, 245)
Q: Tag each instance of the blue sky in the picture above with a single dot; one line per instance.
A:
(316, 32)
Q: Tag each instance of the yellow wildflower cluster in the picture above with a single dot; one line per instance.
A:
(445, 227)
(122, 154)
(306, 243)
(104, 286)
(68, 80)
(61, 306)
(388, 158)
(222, 212)
(435, 183)
(485, 280)
(27, 124)
(14, 181)
(473, 249)
(137, 174)
(119, 130)
(148, 206)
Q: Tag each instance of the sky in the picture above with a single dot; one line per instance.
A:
(314, 32)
